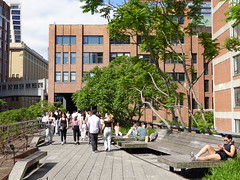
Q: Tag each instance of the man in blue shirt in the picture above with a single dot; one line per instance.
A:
(141, 132)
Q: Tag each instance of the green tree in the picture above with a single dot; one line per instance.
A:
(115, 89)
(161, 31)
(2, 103)
(233, 14)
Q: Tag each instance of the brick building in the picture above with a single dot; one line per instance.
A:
(226, 69)
(76, 49)
(4, 37)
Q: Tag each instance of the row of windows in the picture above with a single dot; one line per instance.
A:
(21, 86)
(97, 58)
(71, 40)
(206, 103)
(65, 58)
(65, 77)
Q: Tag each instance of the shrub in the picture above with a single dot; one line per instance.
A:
(150, 131)
(229, 170)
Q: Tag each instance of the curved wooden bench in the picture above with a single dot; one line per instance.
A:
(20, 167)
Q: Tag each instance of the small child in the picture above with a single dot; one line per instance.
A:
(83, 130)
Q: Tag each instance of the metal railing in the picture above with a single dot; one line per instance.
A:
(9, 132)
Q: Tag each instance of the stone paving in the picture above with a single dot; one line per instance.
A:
(70, 162)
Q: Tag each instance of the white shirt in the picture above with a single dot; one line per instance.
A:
(94, 124)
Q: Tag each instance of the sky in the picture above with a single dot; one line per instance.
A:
(38, 14)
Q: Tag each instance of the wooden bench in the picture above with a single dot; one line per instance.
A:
(20, 168)
(178, 145)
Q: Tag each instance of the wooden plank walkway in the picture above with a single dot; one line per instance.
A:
(73, 162)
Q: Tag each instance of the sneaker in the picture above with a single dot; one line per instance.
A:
(61, 143)
(75, 142)
(78, 143)
(191, 155)
(194, 158)
(106, 149)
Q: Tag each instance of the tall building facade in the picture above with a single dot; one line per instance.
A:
(4, 37)
(76, 49)
(15, 22)
(26, 64)
(226, 69)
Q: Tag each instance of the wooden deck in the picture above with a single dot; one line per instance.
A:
(70, 161)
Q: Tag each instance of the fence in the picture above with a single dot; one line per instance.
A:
(10, 132)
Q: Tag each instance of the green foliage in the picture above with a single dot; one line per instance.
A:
(23, 114)
(202, 125)
(232, 44)
(211, 48)
(161, 32)
(229, 170)
(150, 131)
(113, 89)
(2, 103)
(233, 13)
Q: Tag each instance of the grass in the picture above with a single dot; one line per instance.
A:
(229, 170)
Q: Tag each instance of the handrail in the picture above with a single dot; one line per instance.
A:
(162, 125)
(10, 131)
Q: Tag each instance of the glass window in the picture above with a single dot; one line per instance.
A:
(139, 40)
(65, 76)
(206, 102)
(236, 31)
(173, 59)
(92, 58)
(73, 77)
(66, 40)
(1, 10)
(117, 41)
(177, 41)
(206, 69)
(177, 76)
(59, 39)
(206, 85)
(236, 65)
(237, 125)
(237, 96)
(65, 58)
(194, 76)
(73, 58)
(16, 27)
(58, 58)
(1, 21)
(146, 57)
(114, 55)
(16, 12)
(73, 39)
(16, 17)
(179, 19)
(57, 76)
(93, 40)
(194, 104)
(16, 22)
(194, 58)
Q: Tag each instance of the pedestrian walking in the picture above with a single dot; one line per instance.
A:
(63, 128)
(107, 133)
(94, 127)
(76, 132)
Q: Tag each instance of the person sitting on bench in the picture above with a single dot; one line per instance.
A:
(224, 151)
